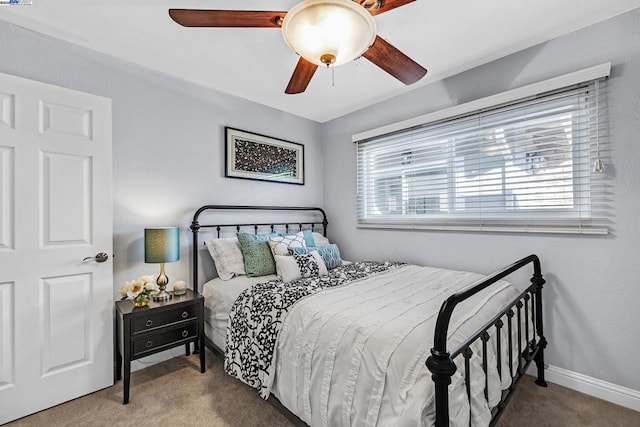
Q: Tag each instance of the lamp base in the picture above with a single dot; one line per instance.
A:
(162, 282)
(162, 296)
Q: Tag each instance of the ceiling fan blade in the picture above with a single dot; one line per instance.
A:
(226, 18)
(394, 62)
(301, 76)
(387, 5)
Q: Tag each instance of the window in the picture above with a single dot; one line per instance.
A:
(523, 165)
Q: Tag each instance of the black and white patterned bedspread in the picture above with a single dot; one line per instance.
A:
(257, 315)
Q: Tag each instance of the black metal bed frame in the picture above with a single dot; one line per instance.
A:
(441, 362)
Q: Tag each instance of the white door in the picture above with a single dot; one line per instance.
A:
(56, 311)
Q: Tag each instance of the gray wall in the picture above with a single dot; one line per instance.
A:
(168, 151)
(593, 291)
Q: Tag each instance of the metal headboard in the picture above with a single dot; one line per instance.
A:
(196, 226)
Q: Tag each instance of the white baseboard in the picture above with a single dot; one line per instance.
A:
(613, 393)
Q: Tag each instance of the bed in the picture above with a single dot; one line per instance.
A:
(368, 343)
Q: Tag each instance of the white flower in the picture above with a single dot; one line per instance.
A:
(143, 284)
(148, 278)
(123, 290)
(135, 288)
(149, 282)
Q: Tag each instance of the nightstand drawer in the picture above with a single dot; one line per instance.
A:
(156, 320)
(170, 336)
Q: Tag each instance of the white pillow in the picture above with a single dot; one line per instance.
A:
(227, 257)
(298, 266)
(320, 239)
(280, 244)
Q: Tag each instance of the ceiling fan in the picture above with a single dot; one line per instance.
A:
(323, 32)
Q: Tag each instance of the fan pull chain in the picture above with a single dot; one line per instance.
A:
(333, 76)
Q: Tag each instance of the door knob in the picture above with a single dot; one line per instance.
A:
(101, 257)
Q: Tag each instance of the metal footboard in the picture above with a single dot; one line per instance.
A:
(527, 309)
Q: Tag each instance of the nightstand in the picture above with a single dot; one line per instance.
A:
(161, 325)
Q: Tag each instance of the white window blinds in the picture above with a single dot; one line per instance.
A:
(525, 165)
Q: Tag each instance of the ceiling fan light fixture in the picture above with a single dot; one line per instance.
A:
(329, 32)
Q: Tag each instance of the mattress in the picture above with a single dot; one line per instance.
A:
(219, 296)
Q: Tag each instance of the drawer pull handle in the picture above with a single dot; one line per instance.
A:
(185, 334)
(149, 323)
(149, 344)
(184, 314)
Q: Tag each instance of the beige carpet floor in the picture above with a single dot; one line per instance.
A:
(174, 393)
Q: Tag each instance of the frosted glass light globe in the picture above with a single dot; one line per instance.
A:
(329, 32)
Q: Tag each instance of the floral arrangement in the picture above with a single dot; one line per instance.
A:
(139, 290)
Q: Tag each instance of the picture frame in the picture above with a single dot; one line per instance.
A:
(259, 157)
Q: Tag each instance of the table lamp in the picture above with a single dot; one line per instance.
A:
(161, 244)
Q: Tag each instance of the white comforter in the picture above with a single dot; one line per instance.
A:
(355, 355)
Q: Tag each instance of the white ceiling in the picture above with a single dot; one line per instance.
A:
(444, 36)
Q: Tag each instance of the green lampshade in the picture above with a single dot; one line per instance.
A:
(161, 244)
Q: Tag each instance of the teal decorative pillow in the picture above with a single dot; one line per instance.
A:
(258, 260)
(330, 254)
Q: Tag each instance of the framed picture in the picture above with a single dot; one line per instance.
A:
(253, 156)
